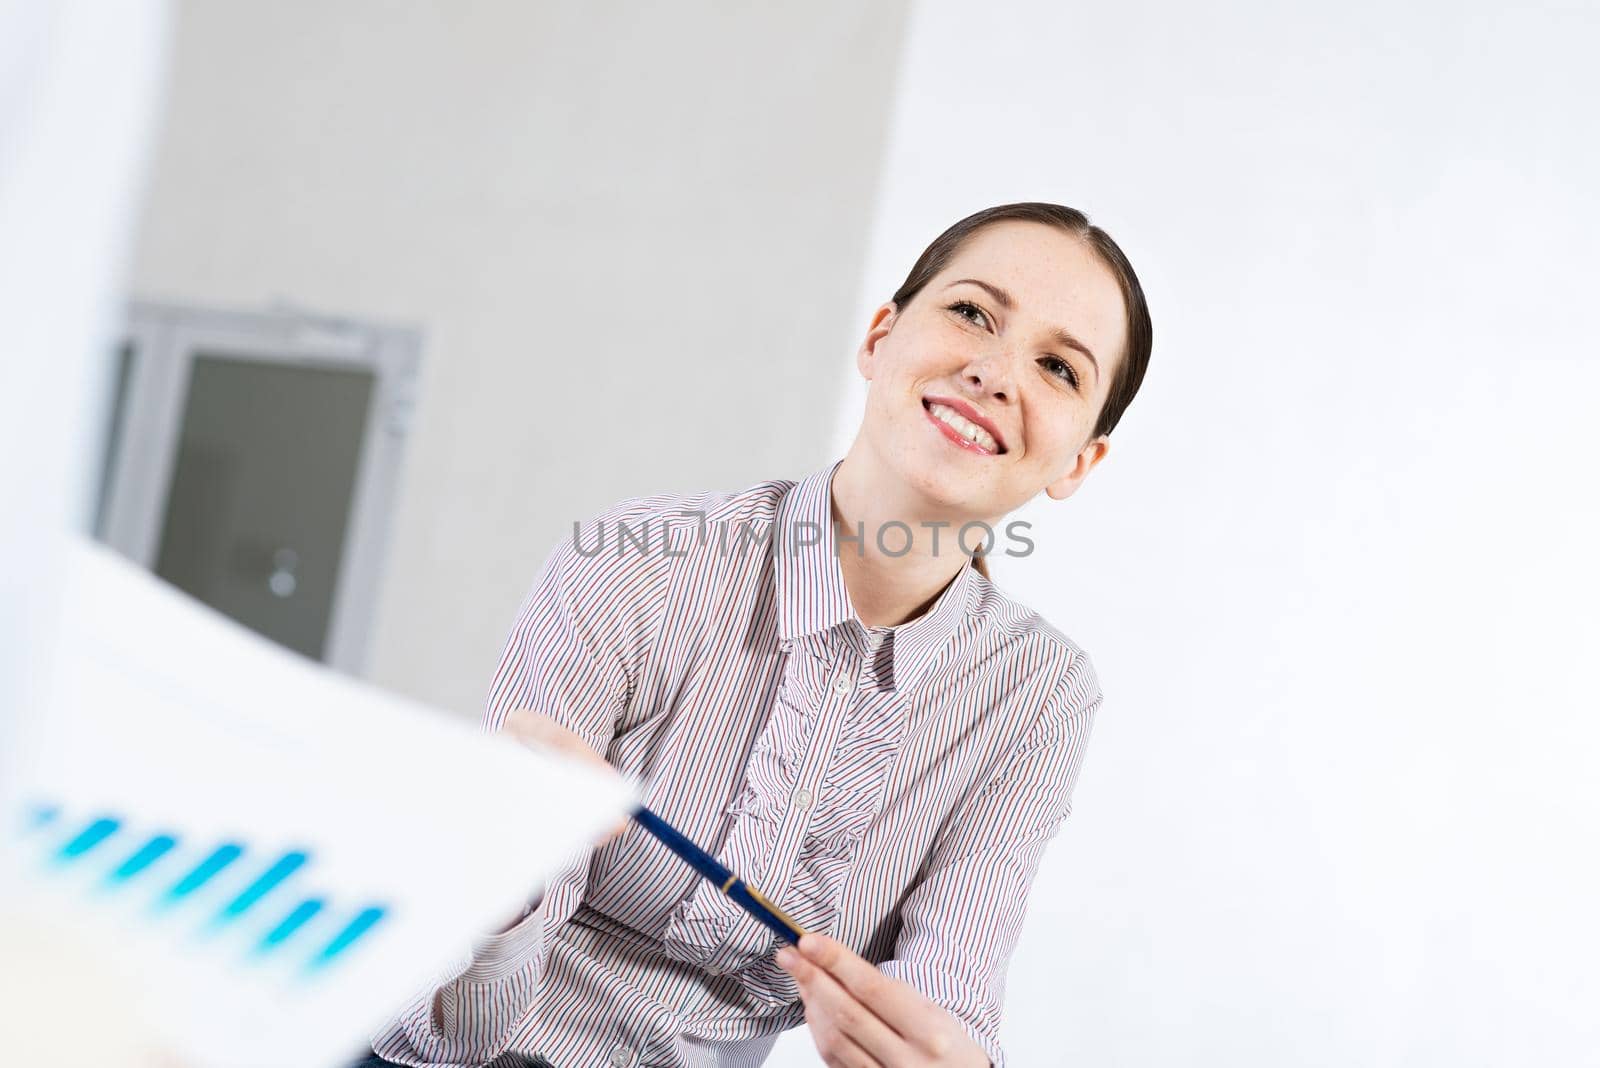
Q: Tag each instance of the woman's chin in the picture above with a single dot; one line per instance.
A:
(952, 488)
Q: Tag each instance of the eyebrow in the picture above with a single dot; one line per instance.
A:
(1002, 298)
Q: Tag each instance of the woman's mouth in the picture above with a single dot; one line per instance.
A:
(960, 428)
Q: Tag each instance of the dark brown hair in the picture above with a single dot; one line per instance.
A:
(1135, 357)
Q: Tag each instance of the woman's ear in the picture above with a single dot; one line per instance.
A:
(882, 322)
(1088, 456)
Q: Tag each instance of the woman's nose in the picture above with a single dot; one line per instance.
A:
(989, 377)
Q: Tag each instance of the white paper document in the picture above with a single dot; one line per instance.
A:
(286, 855)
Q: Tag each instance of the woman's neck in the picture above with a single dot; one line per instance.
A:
(887, 590)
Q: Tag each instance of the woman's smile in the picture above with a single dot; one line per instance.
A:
(964, 425)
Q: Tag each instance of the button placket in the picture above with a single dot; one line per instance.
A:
(813, 765)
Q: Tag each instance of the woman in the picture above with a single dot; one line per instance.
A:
(816, 681)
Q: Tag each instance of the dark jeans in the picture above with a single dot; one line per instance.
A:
(505, 1060)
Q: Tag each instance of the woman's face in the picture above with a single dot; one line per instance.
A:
(985, 388)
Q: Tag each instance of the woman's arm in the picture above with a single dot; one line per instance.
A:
(563, 680)
(959, 925)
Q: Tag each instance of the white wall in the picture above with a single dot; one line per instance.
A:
(1338, 572)
(627, 231)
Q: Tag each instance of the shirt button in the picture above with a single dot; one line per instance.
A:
(622, 1056)
(842, 683)
(802, 799)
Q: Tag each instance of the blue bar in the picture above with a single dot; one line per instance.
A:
(40, 816)
(89, 837)
(290, 924)
(146, 855)
(281, 869)
(202, 873)
(364, 921)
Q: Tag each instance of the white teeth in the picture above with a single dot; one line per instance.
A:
(965, 427)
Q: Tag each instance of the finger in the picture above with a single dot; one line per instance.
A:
(900, 1006)
(834, 1046)
(841, 1012)
(538, 728)
(527, 727)
(539, 731)
(841, 1052)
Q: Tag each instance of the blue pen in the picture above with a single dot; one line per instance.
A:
(746, 896)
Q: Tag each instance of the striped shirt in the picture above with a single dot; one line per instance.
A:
(893, 787)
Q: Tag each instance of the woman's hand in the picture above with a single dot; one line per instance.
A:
(542, 734)
(860, 1017)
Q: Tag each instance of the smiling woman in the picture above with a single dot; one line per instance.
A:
(1047, 253)
(840, 709)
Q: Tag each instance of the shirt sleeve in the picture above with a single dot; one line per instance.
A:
(573, 654)
(959, 924)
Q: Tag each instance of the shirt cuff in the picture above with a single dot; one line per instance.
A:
(498, 955)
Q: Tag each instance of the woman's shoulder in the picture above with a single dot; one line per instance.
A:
(1022, 635)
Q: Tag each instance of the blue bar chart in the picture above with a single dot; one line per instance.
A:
(202, 888)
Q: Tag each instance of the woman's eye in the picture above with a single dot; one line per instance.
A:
(962, 307)
(1063, 369)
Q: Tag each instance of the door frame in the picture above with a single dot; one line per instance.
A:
(165, 339)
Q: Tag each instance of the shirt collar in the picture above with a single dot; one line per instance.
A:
(811, 594)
